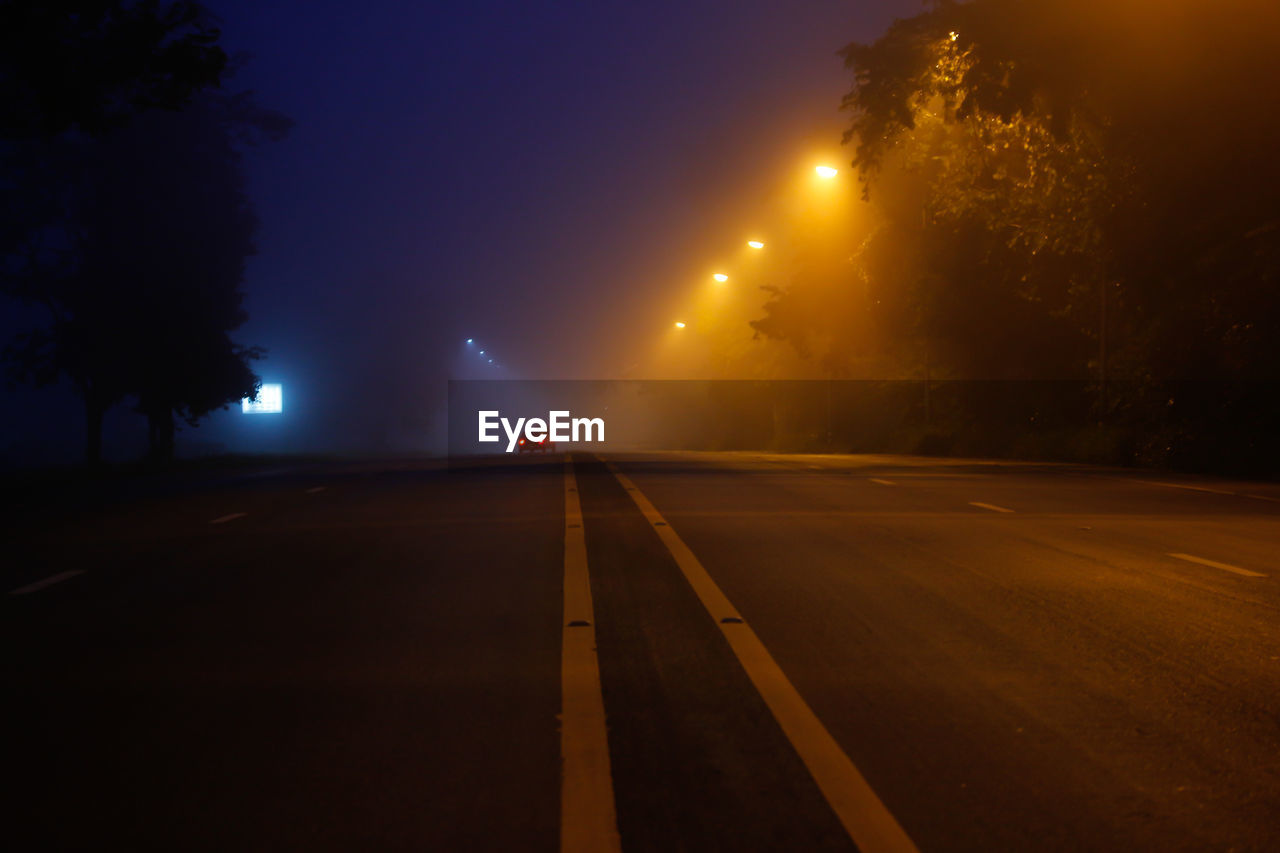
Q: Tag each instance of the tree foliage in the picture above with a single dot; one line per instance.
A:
(1066, 188)
(91, 65)
(126, 215)
(1126, 139)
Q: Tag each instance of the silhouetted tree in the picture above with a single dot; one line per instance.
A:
(130, 221)
(168, 224)
(91, 65)
(70, 72)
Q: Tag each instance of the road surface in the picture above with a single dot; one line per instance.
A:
(768, 653)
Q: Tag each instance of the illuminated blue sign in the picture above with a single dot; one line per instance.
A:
(270, 401)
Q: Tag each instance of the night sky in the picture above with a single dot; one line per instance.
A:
(548, 178)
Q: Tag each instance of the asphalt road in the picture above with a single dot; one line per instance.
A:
(980, 656)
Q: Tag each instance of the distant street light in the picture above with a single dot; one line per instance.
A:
(482, 352)
(720, 277)
(826, 172)
(755, 244)
(679, 325)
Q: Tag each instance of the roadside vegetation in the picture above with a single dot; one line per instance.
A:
(125, 225)
(1066, 191)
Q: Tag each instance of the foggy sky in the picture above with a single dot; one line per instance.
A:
(548, 178)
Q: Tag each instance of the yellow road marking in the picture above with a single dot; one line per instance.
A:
(588, 820)
(991, 507)
(870, 825)
(1215, 564)
(882, 482)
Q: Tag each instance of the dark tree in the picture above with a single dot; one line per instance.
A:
(1072, 188)
(168, 225)
(1149, 167)
(44, 267)
(90, 65)
(125, 209)
(71, 71)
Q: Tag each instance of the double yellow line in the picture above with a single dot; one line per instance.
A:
(587, 812)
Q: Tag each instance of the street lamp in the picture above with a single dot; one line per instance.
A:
(826, 172)
(755, 244)
(679, 325)
(470, 340)
(720, 277)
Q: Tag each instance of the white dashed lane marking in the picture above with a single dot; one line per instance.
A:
(49, 581)
(1226, 567)
(991, 507)
(225, 518)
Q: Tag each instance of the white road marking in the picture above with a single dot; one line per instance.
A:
(49, 581)
(588, 817)
(1190, 488)
(1226, 567)
(1186, 486)
(315, 489)
(225, 518)
(991, 507)
(883, 482)
(864, 816)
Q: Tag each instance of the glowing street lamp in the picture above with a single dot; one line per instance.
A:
(482, 352)
(755, 244)
(679, 325)
(720, 277)
(470, 340)
(826, 172)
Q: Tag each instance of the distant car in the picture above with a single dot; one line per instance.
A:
(544, 446)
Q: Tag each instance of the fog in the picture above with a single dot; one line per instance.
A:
(525, 174)
(558, 184)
